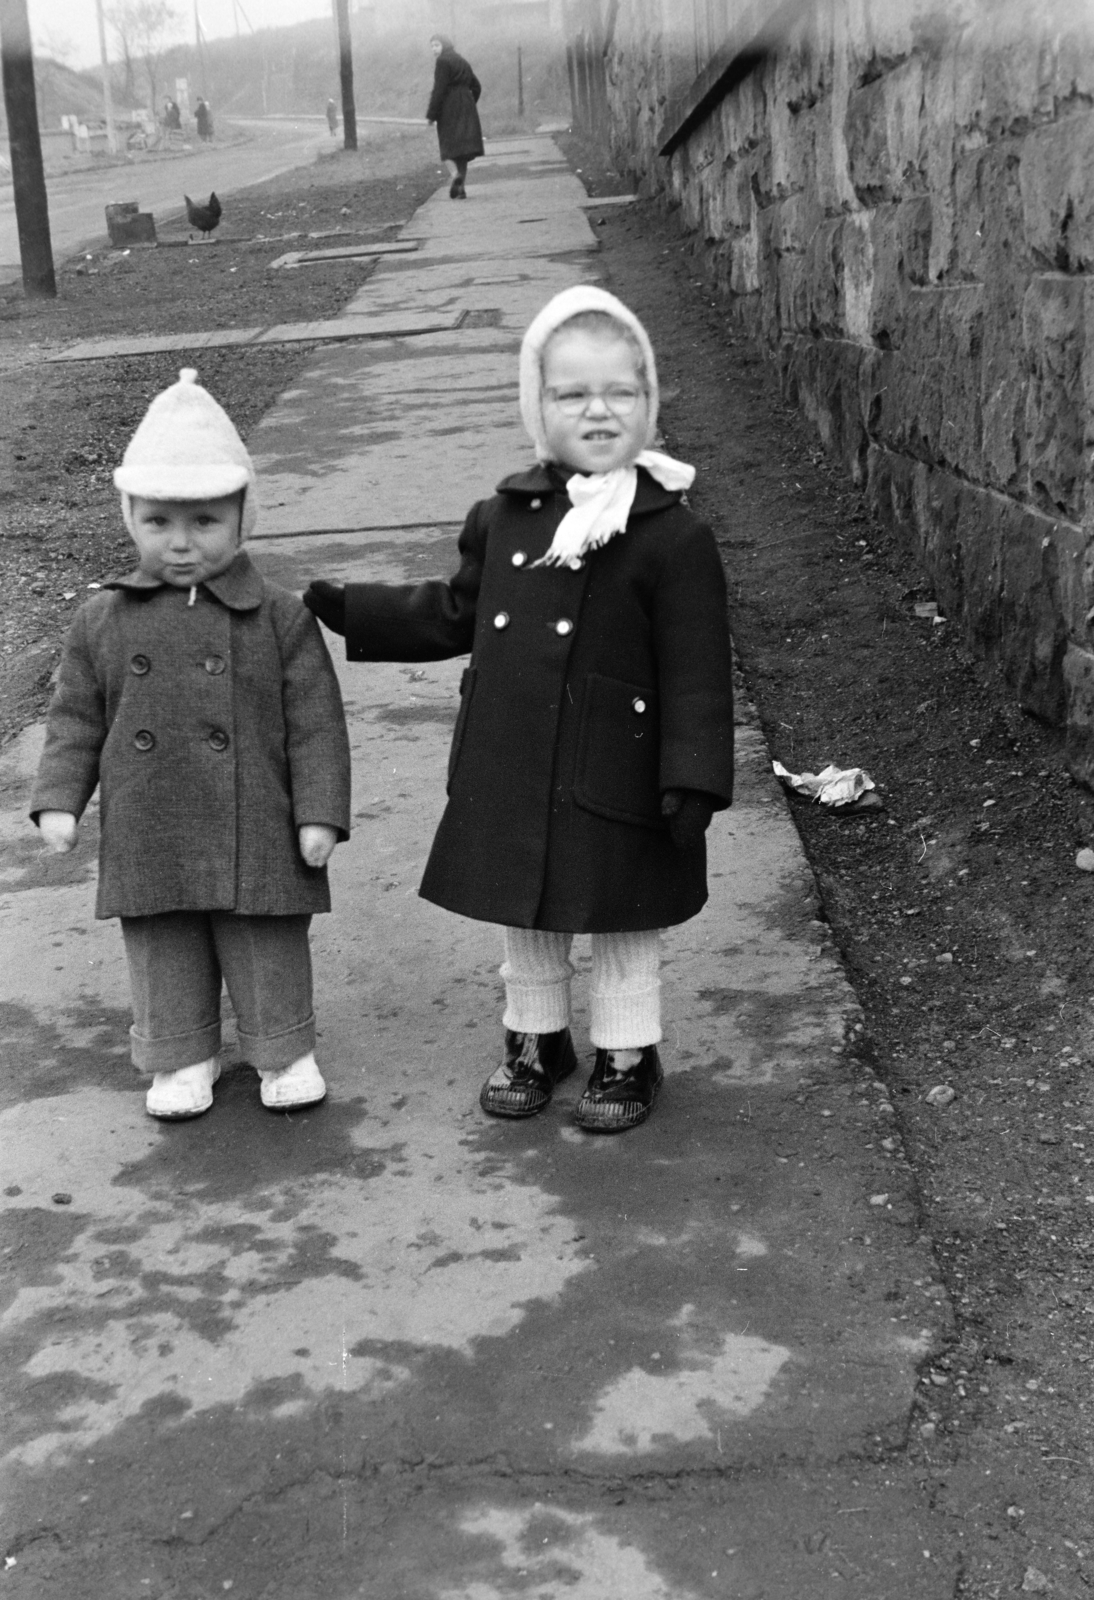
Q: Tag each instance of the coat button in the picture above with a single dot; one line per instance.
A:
(140, 665)
(564, 626)
(143, 740)
(218, 739)
(576, 564)
(519, 558)
(639, 706)
(214, 665)
(501, 620)
(534, 505)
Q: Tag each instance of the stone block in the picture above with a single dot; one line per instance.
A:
(942, 350)
(900, 237)
(1004, 379)
(128, 225)
(824, 260)
(1053, 329)
(1079, 696)
(1056, 180)
(1033, 635)
(796, 220)
(857, 248)
(838, 406)
(884, 133)
(1072, 79)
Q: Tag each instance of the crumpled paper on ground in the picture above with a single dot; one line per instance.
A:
(835, 786)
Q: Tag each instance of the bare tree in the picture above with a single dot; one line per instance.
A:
(142, 28)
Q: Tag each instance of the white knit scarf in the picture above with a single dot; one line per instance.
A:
(600, 502)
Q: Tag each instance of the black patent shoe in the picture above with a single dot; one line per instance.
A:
(454, 189)
(534, 1063)
(615, 1101)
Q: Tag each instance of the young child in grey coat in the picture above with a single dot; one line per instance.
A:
(201, 700)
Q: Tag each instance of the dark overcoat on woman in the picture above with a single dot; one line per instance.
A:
(453, 107)
(590, 691)
(214, 731)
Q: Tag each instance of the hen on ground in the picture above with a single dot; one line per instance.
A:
(204, 217)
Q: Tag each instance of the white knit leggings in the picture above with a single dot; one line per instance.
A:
(625, 999)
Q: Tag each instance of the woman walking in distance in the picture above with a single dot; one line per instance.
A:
(452, 106)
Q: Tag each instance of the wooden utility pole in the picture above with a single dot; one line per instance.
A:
(27, 177)
(199, 40)
(345, 73)
(108, 103)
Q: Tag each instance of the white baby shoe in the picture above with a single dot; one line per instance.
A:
(299, 1085)
(186, 1092)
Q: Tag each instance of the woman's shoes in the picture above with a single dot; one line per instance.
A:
(186, 1092)
(524, 1083)
(456, 190)
(620, 1094)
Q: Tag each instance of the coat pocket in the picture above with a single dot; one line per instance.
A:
(467, 691)
(619, 752)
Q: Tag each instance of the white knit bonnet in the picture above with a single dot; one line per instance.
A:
(187, 448)
(572, 303)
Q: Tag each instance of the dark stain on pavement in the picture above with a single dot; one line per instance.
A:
(40, 1058)
(241, 1149)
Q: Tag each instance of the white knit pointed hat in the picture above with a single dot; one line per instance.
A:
(187, 448)
(571, 303)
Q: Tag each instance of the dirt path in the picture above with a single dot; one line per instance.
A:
(961, 916)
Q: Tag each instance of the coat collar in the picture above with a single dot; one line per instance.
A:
(543, 480)
(239, 587)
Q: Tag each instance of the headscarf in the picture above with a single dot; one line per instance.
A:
(600, 502)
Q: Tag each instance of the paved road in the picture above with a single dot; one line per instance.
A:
(77, 200)
(387, 1349)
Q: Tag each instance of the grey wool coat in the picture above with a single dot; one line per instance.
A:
(215, 730)
(453, 107)
(588, 694)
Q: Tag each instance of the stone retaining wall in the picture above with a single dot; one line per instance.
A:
(898, 202)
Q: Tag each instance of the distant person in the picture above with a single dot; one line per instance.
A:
(453, 106)
(332, 118)
(204, 121)
(172, 117)
(595, 734)
(200, 700)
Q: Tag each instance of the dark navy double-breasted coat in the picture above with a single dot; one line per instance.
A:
(589, 692)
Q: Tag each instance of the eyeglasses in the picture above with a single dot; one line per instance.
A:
(620, 399)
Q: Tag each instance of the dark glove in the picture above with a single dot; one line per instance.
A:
(688, 812)
(327, 601)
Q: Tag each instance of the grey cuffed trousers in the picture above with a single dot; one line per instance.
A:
(179, 961)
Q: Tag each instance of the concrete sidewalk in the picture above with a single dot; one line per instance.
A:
(389, 1348)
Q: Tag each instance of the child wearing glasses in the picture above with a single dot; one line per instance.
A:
(595, 733)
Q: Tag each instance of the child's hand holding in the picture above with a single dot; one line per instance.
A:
(688, 812)
(59, 830)
(327, 601)
(317, 842)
